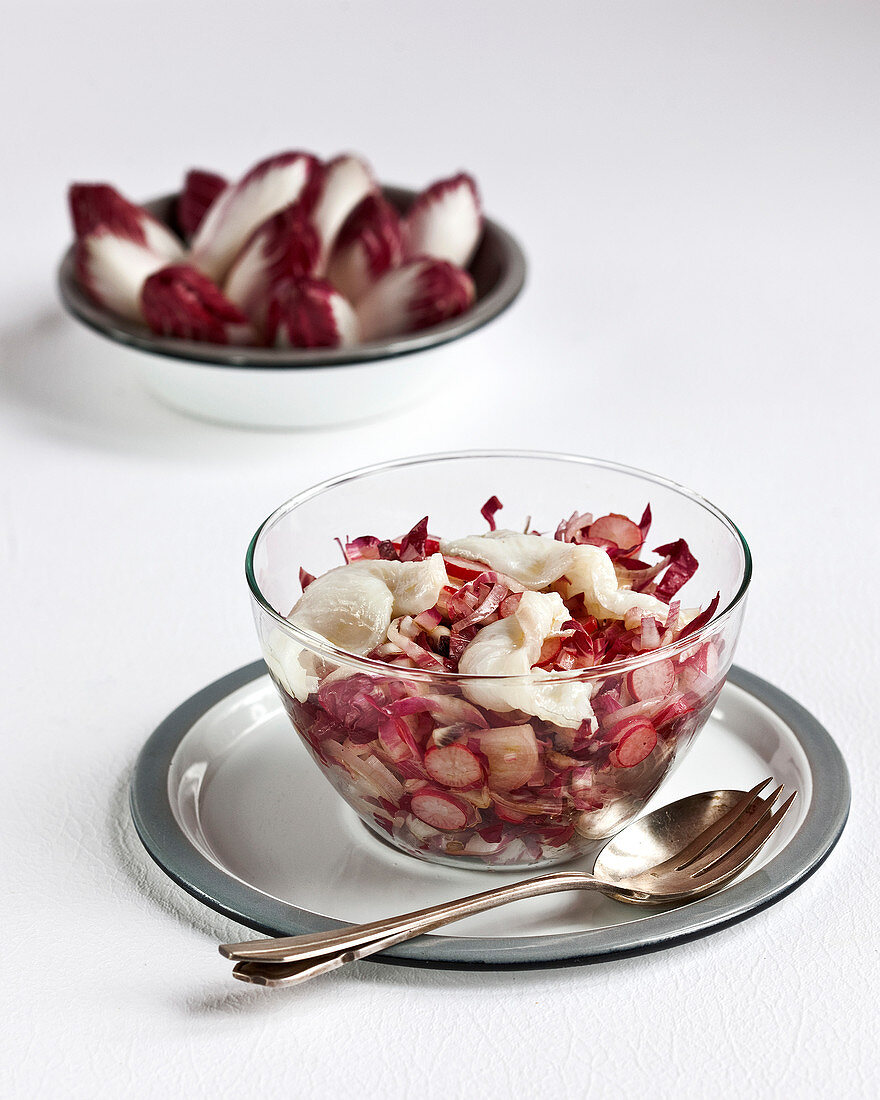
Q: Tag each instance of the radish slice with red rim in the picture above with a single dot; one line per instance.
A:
(653, 681)
(439, 809)
(635, 745)
(453, 766)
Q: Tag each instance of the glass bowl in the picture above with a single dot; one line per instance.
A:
(302, 387)
(543, 791)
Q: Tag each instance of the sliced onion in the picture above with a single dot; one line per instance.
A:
(512, 753)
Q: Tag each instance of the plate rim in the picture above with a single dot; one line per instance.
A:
(174, 853)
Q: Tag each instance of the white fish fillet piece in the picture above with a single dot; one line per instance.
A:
(509, 647)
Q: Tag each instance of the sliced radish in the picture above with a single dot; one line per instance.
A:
(512, 753)
(692, 678)
(439, 809)
(707, 659)
(617, 529)
(683, 704)
(636, 743)
(653, 681)
(461, 568)
(421, 830)
(453, 766)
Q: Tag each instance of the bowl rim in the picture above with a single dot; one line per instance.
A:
(133, 335)
(315, 644)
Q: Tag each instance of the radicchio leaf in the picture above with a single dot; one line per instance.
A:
(412, 545)
(492, 505)
(95, 206)
(682, 567)
(267, 188)
(369, 243)
(703, 618)
(309, 313)
(416, 296)
(112, 270)
(445, 221)
(200, 189)
(285, 245)
(181, 301)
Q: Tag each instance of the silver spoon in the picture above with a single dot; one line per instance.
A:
(679, 852)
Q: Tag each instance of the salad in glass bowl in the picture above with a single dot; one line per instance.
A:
(488, 693)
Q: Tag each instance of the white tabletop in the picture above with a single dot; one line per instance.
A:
(696, 189)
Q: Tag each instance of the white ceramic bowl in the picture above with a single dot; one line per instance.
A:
(291, 388)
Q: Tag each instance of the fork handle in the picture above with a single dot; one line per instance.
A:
(293, 973)
(352, 942)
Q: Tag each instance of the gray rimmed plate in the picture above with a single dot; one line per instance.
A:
(227, 801)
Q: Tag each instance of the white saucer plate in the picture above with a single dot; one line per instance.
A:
(228, 802)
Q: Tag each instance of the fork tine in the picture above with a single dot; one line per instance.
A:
(732, 836)
(708, 836)
(746, 848)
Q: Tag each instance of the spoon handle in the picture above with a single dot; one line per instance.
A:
(362, 939)
(256, 972)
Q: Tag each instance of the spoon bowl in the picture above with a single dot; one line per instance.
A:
(651, 839)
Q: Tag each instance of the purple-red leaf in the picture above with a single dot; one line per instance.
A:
(285, 245)
(309, 313)
(267, 188)
(492, 505)
(412, 545)
(180, 301)
(200, 189)
(369, 243)
(95, 206)
(445, 221)
(416, 296)
(681, 568)
(703, 618)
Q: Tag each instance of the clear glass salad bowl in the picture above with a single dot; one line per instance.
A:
(464, 769)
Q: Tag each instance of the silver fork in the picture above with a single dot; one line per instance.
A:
(711, 859)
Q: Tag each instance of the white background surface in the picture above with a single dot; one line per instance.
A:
(696, 188)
